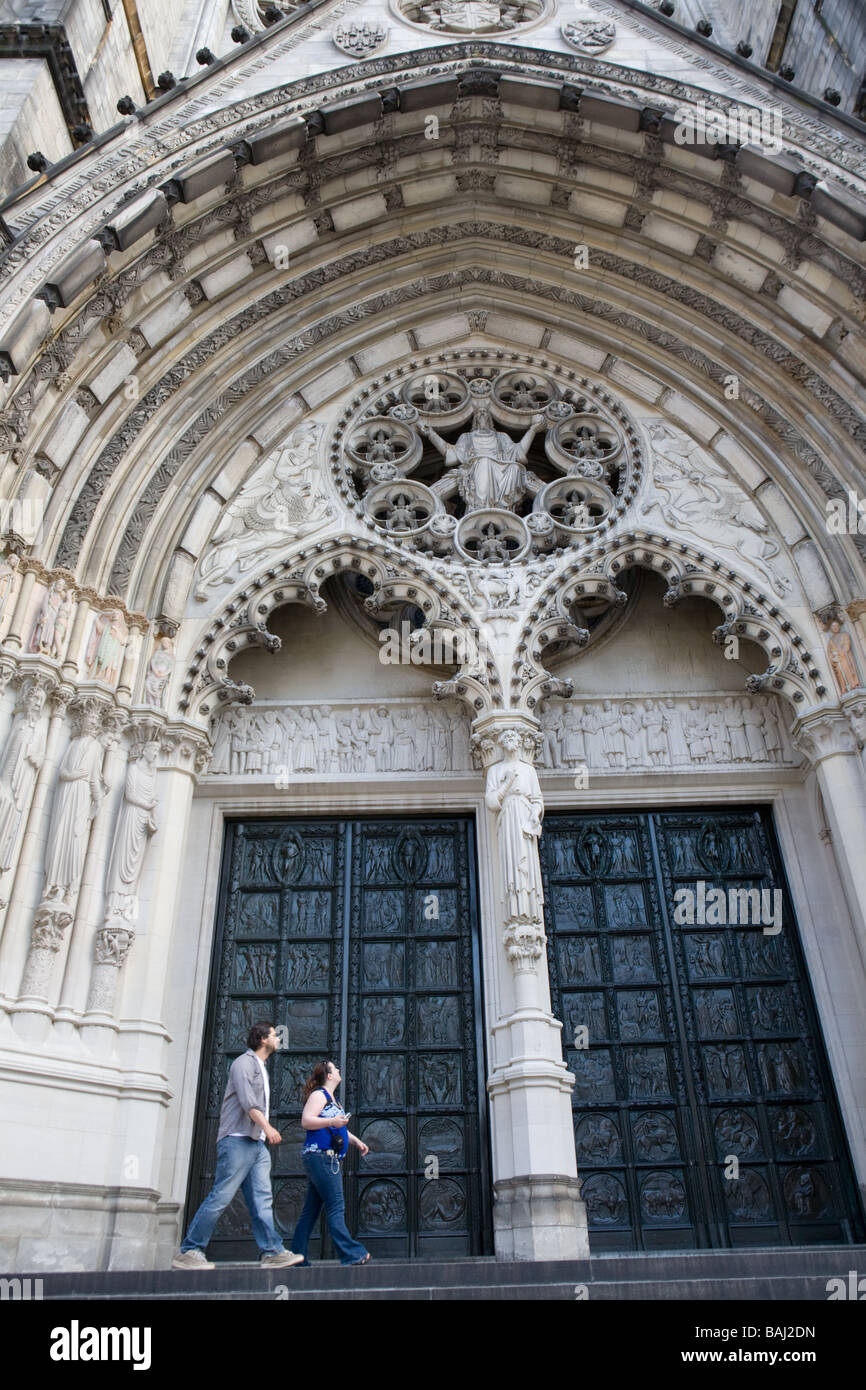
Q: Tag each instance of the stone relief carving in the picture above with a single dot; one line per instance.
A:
(842, 660)
(490, 503)
(280, 502)
(589, 33)
(22, 758)
(10, 582)
(159, 671)
(291, 741)
(513, 793)
(76, 800)
(662, 733)
(251, 13)
(52, 623)
(645, 733)
(135, 826)
(360, 37)
(471, 16)
(107, 644)
(694, 495)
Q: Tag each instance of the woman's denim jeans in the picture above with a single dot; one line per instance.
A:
(325, 1189)
(244, 1164)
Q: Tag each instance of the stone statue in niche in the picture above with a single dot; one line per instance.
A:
(491, 466)
(10, 580)
(514, 794)
(52, 624)
(79, 791)
(22, 759)
(106, 646)
(841, 655)
(697, 498)
(282, 500)
(135, 825)
(158, 673)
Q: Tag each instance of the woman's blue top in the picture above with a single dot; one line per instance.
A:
(320, 1140)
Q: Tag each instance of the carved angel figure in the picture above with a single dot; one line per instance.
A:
(696, 497)
(280, 501)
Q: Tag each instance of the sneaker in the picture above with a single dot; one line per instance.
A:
(282, 1260)
(191, 1259)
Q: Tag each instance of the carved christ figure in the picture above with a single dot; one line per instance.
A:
(491, 465)
(514, 793)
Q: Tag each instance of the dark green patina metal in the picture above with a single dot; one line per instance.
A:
(360, 938)
(704, 1110)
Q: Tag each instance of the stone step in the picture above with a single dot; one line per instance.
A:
(775, 1274)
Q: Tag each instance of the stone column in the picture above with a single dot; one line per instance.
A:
(23, 888)
(825, 736)
(76, 639)
(538, 1213)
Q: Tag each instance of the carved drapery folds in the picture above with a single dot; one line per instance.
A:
(77, 797)
(513, 796)
(135, 825)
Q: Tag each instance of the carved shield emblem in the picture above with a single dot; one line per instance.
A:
(469, 16)
(590, 35)
(360, 37)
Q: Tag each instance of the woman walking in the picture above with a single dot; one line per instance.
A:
(326, 1145)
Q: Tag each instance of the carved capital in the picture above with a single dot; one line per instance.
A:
(112, 943)
(524, 944)
(823, 733)
(487, 732)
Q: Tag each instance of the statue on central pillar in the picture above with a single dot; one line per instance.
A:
(514, 795)
(491, 466)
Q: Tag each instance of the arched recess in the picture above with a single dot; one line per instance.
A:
(747, 614)
(395, 579)
(692, 279)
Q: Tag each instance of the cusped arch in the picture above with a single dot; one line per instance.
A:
(748, 614)
(394, 578)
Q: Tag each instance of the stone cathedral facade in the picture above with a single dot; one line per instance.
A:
(433, 617)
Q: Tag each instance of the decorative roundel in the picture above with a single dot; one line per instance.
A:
(486, 456)
(471, 16)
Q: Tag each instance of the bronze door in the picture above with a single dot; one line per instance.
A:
(704, 1110)
(359, 937)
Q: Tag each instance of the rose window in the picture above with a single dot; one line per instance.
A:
(457, 455)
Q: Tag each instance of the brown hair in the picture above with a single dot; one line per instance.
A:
(318, 1078)
(258, 1032)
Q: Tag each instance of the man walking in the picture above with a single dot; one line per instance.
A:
(242, 1159)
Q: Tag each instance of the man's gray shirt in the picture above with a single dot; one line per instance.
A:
(245, 1092)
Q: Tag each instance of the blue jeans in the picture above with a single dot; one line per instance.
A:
(244, 1164)
(325, 1189)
